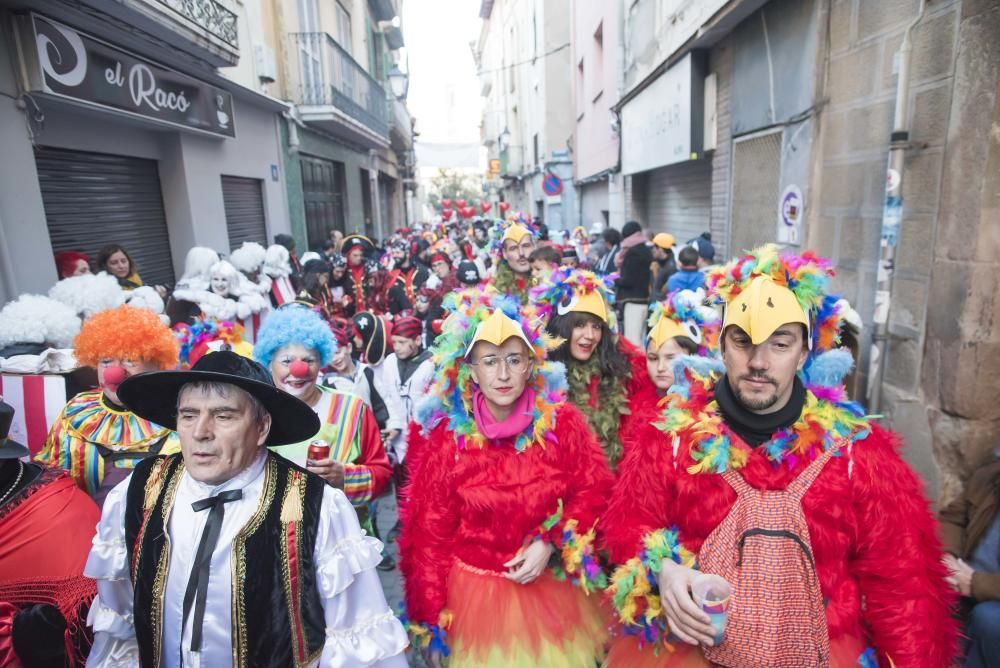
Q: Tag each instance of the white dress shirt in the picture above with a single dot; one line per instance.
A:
(361, 630)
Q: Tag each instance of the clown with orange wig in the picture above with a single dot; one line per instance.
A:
(505, 479)
(94, 437)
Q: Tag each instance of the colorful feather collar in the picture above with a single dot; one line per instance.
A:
(691, 411)
(450, 396)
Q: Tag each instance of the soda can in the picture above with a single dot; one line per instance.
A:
(318, 451)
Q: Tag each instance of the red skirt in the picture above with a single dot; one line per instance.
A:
(625, 652)
(497, 622)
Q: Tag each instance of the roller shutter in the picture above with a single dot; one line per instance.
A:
(679, 199)
(95, 199)
(244, 202)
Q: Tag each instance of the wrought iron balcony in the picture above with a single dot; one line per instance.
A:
(209, 15)
(327, 76)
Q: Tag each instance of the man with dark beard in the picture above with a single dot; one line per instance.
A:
(405, 272)
(768, 485)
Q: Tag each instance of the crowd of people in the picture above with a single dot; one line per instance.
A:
(607, 449)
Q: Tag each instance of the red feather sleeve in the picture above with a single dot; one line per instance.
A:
(898, 559)
(430, 518)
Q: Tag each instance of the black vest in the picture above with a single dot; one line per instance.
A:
(276, 585)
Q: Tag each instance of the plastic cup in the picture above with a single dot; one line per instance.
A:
(711, 593)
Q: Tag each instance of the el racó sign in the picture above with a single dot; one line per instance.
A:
(76, 66)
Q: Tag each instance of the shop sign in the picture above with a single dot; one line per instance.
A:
(71, 65)
(663, 124)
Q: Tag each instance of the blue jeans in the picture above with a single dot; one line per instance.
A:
(984, 636)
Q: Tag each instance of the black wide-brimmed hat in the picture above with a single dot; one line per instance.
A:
(9, 449)
(154, 395)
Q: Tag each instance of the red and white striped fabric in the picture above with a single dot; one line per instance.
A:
(282, 290)
(251, 326)
(37, 401)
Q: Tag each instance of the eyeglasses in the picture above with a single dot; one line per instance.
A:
(423, 299)
(515, 362)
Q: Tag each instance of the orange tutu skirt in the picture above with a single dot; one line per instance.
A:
(497, 622)
(625, 652)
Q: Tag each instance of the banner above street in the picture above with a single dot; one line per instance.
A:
(83, 70)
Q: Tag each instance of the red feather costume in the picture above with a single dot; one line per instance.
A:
(876, 554)
(471, 510)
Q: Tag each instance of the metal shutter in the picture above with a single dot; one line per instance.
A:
(244, 202)
(323, 189)
(95, 199)
(756, 179)
(679, 199)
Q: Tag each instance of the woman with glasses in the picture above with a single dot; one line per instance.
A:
(606, 374)
(505, 475)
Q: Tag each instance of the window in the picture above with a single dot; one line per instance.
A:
(344, 34)
(310, 50)
(598, 75)
(534, 143)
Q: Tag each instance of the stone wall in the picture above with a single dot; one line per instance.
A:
(940, 319)
(962, 349)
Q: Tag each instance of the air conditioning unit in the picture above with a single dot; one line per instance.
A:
(267, 67)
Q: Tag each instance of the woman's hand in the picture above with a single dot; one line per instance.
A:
(687, 620)
(329, 470)
(529, 562)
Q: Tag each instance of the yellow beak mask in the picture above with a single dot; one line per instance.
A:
(588, 302)
(763, 307)
(667, 328)
(496, 329)
(515, 232)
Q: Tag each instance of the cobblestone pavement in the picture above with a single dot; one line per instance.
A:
(392, 583)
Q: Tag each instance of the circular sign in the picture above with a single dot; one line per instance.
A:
(791, 206)
(552, 185)
(892, 179)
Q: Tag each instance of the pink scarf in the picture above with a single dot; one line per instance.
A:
(627, 243)
(519, 420)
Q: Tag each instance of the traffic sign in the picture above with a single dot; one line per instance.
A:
(552, 185)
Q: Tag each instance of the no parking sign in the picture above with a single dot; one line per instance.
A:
(552, 185)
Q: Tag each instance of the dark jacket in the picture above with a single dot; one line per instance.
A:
(966, 519)
(663, 270)
(636, 274)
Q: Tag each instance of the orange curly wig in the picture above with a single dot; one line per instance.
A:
(126, 332)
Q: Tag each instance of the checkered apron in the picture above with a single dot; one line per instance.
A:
(776, 615)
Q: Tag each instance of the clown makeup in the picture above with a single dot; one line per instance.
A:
(112, 372)
(294, 369)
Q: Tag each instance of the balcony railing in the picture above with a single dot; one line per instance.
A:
(328, 75)
(208, 15)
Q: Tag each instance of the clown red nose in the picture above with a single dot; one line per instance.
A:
(299, 369)
(114, 375)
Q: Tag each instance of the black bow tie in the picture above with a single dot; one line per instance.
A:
(197, 587)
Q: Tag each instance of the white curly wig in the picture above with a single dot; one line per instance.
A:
(249, 257)
(38, 319)
(276, 261)
(89, 293)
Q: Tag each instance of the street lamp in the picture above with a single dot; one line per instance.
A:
(505, 139)
(399, 82)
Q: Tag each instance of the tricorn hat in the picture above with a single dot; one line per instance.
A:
(9, 449)
(154, 395)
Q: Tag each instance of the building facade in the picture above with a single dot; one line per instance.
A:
(598, 82)
(523, 56)
(773, 121)
(117, 126)
(348, 140)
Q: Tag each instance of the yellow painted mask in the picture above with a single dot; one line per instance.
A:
(496, 329)
(763, 307)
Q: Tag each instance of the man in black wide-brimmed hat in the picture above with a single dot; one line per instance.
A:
(227, 554)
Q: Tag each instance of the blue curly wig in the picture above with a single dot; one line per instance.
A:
(294, 324)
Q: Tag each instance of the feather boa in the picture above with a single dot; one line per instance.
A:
(505, 281)
(634, 587)
(204, 330)
(450, 396)
(432, 637)
(605, 410)
(827, 417)
(577, 551)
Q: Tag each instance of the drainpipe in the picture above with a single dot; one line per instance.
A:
(892, 219)
(376, 196)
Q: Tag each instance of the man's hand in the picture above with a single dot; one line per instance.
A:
(687, 621)
(529, 562)
(329, 470)
(961, 574)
